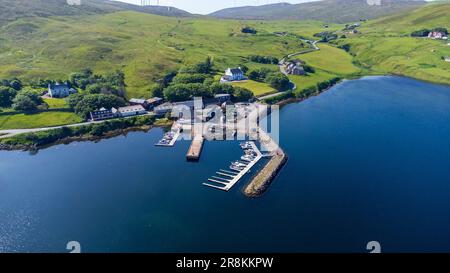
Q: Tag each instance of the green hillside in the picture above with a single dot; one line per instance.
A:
(144, 46)
(340, 11)
(385, 45)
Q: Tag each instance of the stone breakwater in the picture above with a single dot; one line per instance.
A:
(260, 183)
(264, 178)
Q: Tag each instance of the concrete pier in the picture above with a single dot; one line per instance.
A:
(196, 148)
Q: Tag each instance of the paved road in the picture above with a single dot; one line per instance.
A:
(13, 132)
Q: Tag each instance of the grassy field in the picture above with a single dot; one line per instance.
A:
(311, 80)
(54, 103)
(13, 120)
(258, 88)
(331, 59)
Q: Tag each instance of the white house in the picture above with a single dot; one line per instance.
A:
(234, 74)
(133, 110)
(60, 90)
(447, 59)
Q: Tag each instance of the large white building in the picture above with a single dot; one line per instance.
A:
(59, 90)
(234, 74)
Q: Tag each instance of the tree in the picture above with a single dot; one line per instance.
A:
(27, 100)
(259, 75)
(263, 59)
(182, 92)
(420, 33)
(103, 88)
(244, 68)
(24, 103)
(278, 81)
(157, 90)
(219, 88)
(7, 95)
(73, 99)
(16, 84)
(249, 30)
(242, 94)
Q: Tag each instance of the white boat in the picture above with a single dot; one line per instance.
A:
(248, 158)
(238, 164)
(246, 145)
(235, 168)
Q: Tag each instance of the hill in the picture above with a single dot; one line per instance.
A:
(144, 46)
(385, 46)
(340, 11)
(11, 10)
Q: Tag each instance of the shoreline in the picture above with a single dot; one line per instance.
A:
(81, 138)
(114, 133)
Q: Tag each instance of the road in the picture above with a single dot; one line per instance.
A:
(13, 132)
(282, 70)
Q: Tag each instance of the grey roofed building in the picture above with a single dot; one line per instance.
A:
(132, 110)
(163, 109)
(59, 90)
(234, 74)
(103, 114)
(175, 106)
(153, 102)
(138, 101)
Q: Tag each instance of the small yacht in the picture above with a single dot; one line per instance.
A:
(246, 145)
(248, 158)
(236, 168)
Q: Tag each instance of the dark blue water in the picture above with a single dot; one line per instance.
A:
(368, 160)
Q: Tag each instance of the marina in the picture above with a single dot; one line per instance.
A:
(170, 138)
(227, 179)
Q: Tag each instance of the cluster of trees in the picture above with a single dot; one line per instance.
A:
(263, 59)
(100, 91)
(275, 79)
(82, 105)
(8, 91)
(249, 30)
(425, 32)
(7, 94)
(14, 83)
(195, 81)
(27, 100)
(326, 36)
(12, 94)
(111, 83)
